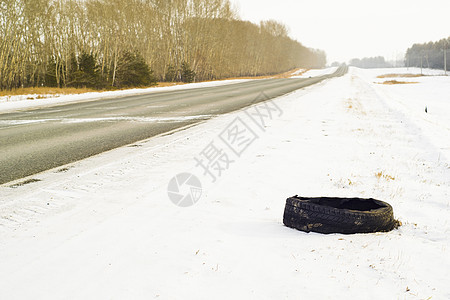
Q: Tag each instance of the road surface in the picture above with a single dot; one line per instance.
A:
(35, 140)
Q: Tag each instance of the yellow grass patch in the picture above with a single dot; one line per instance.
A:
(303, 71)
(40, 91)
(387, 177)
(354, 105)
(47, 92)
(287, 74)
(165, 84)
(392, 82)
(399, 75)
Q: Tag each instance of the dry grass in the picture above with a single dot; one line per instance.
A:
(387, 177)
(165, 84)
(400, 75)
(44, 91)
(290, 73)
(349, 103)
(287, 74)
(47, 92)
(354, 105)
(393, 82)
(28, 181)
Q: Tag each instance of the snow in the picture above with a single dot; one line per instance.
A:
(431, 92)
(424, 71)
(317, 72)
(11, 103)
(104, 227)
(299, 72)
(109, 119)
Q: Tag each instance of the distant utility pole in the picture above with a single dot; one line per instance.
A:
(445, 57)
(421, 64)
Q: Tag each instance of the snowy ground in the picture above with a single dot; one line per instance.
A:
(417, 71)
(105, 227)
(315, 72)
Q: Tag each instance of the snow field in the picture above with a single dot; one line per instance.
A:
(105, 228)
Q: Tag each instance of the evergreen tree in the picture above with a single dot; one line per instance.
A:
(187, 75)
(132, 71)
(84, 72)
(429, 55)
(50, 74)
(171, 74)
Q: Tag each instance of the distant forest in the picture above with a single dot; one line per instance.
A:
(123, 43)
(370, 62)
(429, 55)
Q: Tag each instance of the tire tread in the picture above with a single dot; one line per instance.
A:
(307, 216)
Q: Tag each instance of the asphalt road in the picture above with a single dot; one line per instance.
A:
(35, 140)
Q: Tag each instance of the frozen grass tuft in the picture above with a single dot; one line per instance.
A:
(44, 92)
(381, 175)
(392, 82)
(400, 75)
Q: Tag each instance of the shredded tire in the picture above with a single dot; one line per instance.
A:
(339, 215)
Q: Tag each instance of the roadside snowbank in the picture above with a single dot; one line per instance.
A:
(317, 72)
(8, 103)
(299, 72)
(105, 227)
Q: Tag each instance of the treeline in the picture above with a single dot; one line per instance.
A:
(370, 62)
(429, 55)
(120, 43)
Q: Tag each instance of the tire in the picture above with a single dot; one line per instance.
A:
(339, 215)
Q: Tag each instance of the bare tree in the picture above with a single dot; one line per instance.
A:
(41, 41)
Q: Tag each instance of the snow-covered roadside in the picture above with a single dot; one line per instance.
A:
(431, 92)
(105, 228)
(417, 71)
(9, 103)
(316, 72)
(299, 72)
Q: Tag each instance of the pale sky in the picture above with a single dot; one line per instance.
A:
(347, 29)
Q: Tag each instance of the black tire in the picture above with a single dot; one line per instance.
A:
(339, 215)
